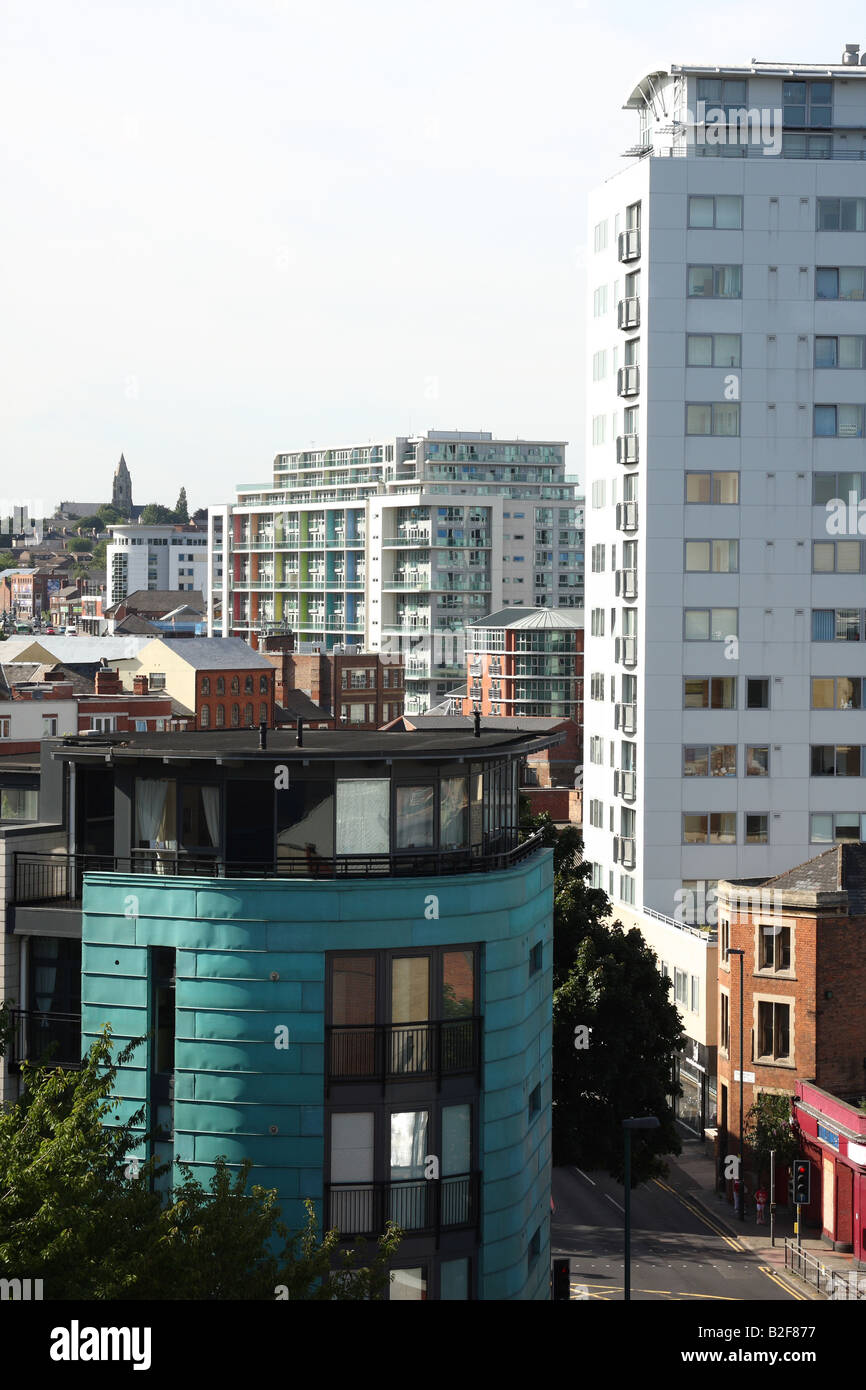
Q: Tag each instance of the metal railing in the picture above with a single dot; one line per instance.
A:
(419, 1206)
(708, 933)
(58, 878)
(832, 1283)
(45, 1037)
(403, 1051)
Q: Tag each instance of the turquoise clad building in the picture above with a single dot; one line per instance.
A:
(338, 956)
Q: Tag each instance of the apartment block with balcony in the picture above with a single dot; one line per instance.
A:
(725, 431)
(344, 974)
(156, 557)
(397, 547)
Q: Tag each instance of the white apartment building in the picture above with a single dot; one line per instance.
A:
(398, 546)
(155, 557)
(725, 598)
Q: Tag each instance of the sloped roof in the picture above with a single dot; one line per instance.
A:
(556, 618)
(159, 601)
(215, 653)
(297, 703)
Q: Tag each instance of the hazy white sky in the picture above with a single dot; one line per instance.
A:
(230, 229)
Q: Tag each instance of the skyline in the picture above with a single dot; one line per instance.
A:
(418, 264)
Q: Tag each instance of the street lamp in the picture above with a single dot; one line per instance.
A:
(639, 1122)
(741, 953)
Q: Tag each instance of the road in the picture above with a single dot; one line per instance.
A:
(677, 1252)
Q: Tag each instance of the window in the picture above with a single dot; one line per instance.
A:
(719, 488)
(248, 685)
(696, 994)
(236, 685)
(204, 718)
(104, 723)
(715, 828)
(713, 349)
(220, 716)
(838, 421)
(724, 938)
(847, 350)
(534, 1103)
(722, 92)
(709, 692)
(599, 302)
(534, 1247)
(712, 557)
(205, 685)
(597, 622)
(836, 760)
(49, 725)
(598, 423)
(837, 557)
(236, 715)
(248, 716)
(724, 1021)
(714, 418)
(263, 714)
(757, 760)
(715, 282)
(757, 829)
(596, 749)
(830, 487)
(840, 282)
(599, 365)
(18, 803)
(774, 1031)
(710, 624)
(725, 210)
(774, 948)
(536, 958)
(825, 826)
(221, 685)
(599, 236)
(841, 215)
(710, 760)
(807, 103)
(757, 692)
(597, 559)
(596, 814)
(363, 815)
(681, 987)
(156, 680)
(598, 490)
(836, 624)
(5, 728)
(263, 683)
(837, 692)
(596, 685)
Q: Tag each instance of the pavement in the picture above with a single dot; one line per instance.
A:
(693, 1175)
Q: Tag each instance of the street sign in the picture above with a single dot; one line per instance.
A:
(748, 1077)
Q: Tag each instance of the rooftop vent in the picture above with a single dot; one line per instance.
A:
(851, 56)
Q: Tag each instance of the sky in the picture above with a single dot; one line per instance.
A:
(230, 230)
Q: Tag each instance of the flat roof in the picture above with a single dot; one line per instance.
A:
(373, 745)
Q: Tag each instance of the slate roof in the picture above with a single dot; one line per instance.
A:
(216, 653)
(553, 618)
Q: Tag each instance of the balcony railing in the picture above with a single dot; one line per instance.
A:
(625, 717)
(628, 248)
(626, 583)
(38, 1037)
(627, 449)
(626, 516)
(418, 1206)
(628, 312)
(625, 650)
(58, 878)
(403, 1051)
(624, 784)
(628, 381)
(624, 851)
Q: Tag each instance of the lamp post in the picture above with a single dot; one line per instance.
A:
(741, 953)
(639, 1122)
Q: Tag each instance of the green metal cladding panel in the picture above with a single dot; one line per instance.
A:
(238, 1094)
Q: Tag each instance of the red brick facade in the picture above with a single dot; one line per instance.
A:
(234, 699)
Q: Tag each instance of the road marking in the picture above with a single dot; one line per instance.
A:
(583, 1175)
(616, 1204)
(603, 1289)
(794, 1293)
(732, 1241)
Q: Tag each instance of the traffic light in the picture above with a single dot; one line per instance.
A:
(802, 1182)
(561, 1279)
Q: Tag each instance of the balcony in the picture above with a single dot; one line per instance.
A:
(628, 381)
(415, 536)
(626, 584)
(624, 784)
(418, 1206)
(624, 851)
(628, 312)
(625, 718)
(627, 450)
(404, 1051)
(625, 650)
(626, 516)
(37, 1037)
(56, 880)
(628, 246)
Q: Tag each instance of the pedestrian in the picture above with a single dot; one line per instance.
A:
(760, 1204)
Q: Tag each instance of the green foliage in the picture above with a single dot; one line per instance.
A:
(606, 981)
(155, 514)
(89, 523)
(110, 515)
(100, 550)
(74, 1213)
(7, 560)
(79, 547)
(181, 511)
(767, 1126)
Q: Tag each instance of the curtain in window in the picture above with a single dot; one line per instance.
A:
(150, 801)
(363, 816)
(211, 801)
(408, 1206)
(823, 625)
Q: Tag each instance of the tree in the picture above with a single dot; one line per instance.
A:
(78, 1215)
(78, 547)
(768, 1126)
(155, 514)
(109, 515)
(7, 560)
(615, 1029)
(181, 511)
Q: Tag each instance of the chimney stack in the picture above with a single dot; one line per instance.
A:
(139, 685)
(108, 682)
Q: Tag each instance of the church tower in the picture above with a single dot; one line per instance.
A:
(121, 493)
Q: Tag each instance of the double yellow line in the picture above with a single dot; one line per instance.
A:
(714, 1226)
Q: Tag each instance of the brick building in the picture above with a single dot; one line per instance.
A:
(220, 680)
(804, 981)
(833, 1133)
(360, 689)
